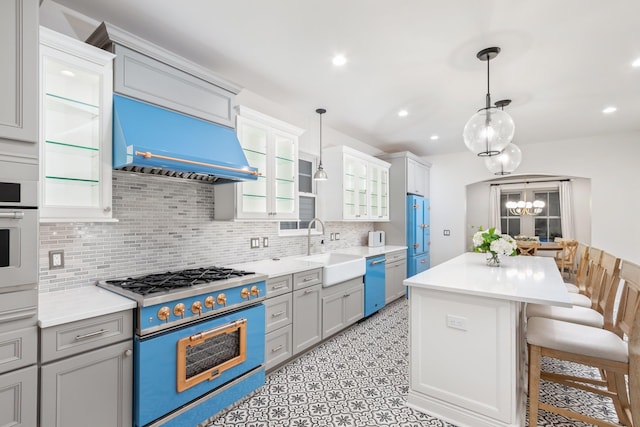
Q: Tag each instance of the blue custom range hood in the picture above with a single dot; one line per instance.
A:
(154, 140)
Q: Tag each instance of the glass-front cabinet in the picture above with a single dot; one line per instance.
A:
(76, 99)
(362, 181)
(379, 192)
(355, 182)
(271, 146)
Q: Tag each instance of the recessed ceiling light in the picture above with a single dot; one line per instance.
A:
(339, 60)
(403, 113)
(609, 110)
(434, 137)
(67, 73)
(636, 63)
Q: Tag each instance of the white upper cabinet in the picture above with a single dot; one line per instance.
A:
(357, 188)
(270, 145)
(18, 85)
(75, 134)
(417, 178)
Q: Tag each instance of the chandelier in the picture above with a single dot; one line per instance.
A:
(524, 207)
(489, 130)
(509, 158)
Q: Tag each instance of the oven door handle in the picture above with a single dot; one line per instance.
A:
(215, 331)
(12, 215)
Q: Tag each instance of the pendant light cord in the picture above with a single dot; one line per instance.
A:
(488, 99)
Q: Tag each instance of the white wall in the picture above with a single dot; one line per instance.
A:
(611, 163)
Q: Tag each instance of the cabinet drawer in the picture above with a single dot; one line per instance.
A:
(83, 335)
(396, 256)
(279, 285)
(18, 348)
(278, 346)
(277, 312)
(307, 278)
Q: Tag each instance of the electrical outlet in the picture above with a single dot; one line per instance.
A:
(265, 242)
(337, 236)
(56, 259)
(255, 242)
(332, 236)
(446, 232)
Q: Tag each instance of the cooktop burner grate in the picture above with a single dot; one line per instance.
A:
(162, 282)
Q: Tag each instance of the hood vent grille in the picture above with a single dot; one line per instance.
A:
(175, 174)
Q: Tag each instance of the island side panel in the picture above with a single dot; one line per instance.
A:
(466, 358)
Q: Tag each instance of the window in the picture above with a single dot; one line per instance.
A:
(306, 198)
(509, 224)
(547, 222)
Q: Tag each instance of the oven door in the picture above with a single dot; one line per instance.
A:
(174, 368)
(18, 247)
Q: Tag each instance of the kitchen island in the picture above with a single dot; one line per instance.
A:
(467, 349)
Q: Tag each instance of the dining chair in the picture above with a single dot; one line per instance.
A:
(603, 349)
(527, 247)
(606, 278)
(566, 259)
(581, 270)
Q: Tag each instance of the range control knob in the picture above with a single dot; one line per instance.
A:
(178, 310)
(164, 313)
(209, 302)
(222, 300)
(244, 293)
(255, 291)
(196, 307)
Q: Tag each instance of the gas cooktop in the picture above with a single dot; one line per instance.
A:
(163, 282)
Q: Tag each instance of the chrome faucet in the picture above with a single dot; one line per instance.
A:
(309, 233)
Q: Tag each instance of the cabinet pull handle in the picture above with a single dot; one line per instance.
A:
(12, 215)
(307, 279)
(346, 295)
(91, 334)
(278, 348)
(280, 313)
(378, 261)
(128, 352)
(308, 291)
(279, 287)
(423, 261)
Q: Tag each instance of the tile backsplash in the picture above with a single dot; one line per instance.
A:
(163, 224)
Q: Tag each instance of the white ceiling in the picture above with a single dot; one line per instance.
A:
(561, 63)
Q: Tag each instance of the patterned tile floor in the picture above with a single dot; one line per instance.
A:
(360, 378)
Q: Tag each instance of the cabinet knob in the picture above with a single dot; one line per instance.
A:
(107, 209)
(128, 352)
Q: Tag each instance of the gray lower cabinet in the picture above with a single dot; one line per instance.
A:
(86, 372)
(19, 397)
(278, 342)
(395, 273)
(342, 305)
(306, 317)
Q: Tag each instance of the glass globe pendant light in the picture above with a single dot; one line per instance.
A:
(320, 174)
(489, 130)
(509, 158)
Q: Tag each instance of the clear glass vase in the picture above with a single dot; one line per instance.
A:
(493, 259)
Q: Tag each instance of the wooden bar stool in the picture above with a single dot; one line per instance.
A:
(600, 348)
(567, 258)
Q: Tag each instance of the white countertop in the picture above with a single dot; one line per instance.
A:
(56, 308)
(277, 266)
(367, 251)
(519, 278)
(293, 264)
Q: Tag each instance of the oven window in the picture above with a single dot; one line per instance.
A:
(212, 352)
(5, 236)
(9, 192)
(204, 356)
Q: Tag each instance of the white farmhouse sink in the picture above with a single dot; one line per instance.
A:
(336, 268)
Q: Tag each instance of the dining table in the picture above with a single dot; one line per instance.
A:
(467, 344)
